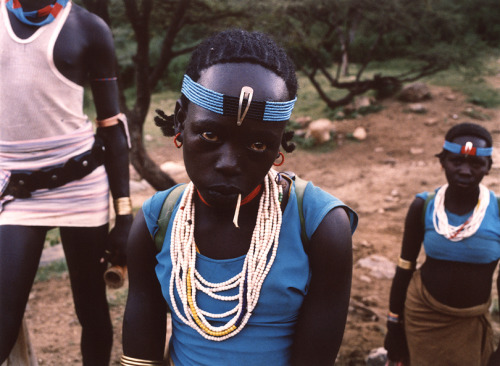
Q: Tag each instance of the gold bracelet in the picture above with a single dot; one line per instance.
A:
(408, 265)
(123, 206)
(130, 361)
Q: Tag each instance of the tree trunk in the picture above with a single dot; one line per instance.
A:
(142, 162)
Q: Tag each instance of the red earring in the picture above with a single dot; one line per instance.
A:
(282, 159)
(177, 145)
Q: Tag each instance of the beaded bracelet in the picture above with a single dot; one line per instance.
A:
(393, 317)
(130, 361)
(123, 206)
(404, 264)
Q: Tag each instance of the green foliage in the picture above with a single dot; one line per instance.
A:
(52, 238)
(53, 270)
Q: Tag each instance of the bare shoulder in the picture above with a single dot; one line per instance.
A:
(87, 22)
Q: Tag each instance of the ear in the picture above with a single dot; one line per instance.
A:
(179, 116)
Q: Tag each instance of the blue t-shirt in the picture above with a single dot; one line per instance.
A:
(267, 337)
(482, 247)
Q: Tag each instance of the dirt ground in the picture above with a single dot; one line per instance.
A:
(378, 177)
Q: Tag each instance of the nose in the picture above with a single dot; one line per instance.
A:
(228, 162)
(465, 169)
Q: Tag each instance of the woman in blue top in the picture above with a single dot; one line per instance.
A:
(233, 270)
(445, 302)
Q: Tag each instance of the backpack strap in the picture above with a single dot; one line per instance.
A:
(430, 196)
(300, 187)
(173, 196)
(166, 213)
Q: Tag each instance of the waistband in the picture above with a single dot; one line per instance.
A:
(23, 182)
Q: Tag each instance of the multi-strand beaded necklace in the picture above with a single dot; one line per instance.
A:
(470, 226)
(186, 280)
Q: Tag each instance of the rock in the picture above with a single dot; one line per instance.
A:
(320, 130)
(431, 121)
(303, 120)
(379, 149)
(415, 92)
(379, 266)
(340, 115)
(176, 170)
(417, 108)
(359, 133)
(416, 150)
(138, 186)
(148, 137)
(377, 357)
(450, 97)
(362, 102)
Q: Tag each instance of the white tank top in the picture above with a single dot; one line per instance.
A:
(49, 105)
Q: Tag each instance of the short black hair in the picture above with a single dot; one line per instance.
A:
(467, 129)
(238, 46)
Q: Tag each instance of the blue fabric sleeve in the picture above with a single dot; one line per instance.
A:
(317, 203)
(422, 195)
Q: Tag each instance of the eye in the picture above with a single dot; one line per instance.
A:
(258, 146)
(210, 136)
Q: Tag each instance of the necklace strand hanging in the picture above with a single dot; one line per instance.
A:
(50, 11)
(186, 280)
(470, 226)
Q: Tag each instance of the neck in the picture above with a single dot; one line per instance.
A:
(461, 201)
(30, 5)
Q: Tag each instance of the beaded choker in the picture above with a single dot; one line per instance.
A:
(467, 149)
(50, 11)
(236, 106)
(185, 280)
(470, 226)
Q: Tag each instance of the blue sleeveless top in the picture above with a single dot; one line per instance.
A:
(267, 338)
(482, 247)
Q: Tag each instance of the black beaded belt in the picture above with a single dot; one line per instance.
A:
(23, 182)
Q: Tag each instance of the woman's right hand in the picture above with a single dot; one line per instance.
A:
(395, 342)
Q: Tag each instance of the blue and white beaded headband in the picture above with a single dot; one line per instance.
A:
(233, 106)
(467, 149)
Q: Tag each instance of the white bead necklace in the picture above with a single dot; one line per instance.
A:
(470, 226)
(186, 280)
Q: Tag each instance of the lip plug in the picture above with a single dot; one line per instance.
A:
(237, 211)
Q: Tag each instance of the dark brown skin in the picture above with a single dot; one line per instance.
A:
(455, 284)
(83, 52)
(224, 160)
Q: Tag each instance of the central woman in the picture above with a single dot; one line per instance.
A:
(243, 287)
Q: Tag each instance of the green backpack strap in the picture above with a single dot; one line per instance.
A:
(430, 196)
(165, 214)
(300, 188)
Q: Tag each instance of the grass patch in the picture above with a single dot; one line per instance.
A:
(52, 238)
(53, 270)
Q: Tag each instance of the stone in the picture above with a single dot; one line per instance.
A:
(380, 267)
(359, 133)
(320, 129)
(377, 357)
(415, 92)
(417, 108)
(303, 120)
(431, 121)
(416, 150)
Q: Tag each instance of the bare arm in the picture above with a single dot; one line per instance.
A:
(395, 340)
(144, 323)
(322, 319)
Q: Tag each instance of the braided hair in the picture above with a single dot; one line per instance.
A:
(238, 46)
(467, 129)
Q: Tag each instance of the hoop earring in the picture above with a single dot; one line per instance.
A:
(177, 145)
(282, 159)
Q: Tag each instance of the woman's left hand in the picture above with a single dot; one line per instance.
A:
(117, 238)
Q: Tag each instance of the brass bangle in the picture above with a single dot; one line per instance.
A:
(123, 206)
(408, 265)
(130, 361)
